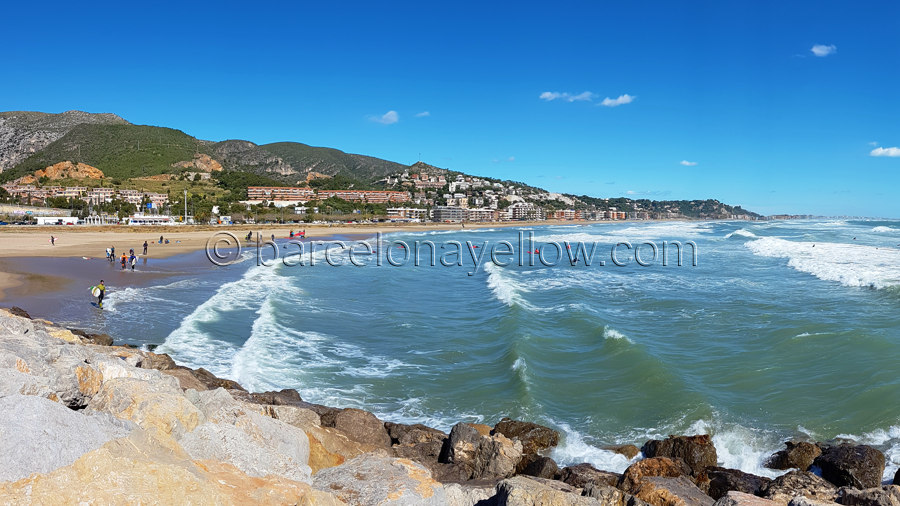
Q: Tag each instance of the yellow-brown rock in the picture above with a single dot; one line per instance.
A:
(69, 170)
(202, 163)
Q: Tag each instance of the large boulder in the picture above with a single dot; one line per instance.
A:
(735, 498)
(138, 470)
(40, 435)
(580, 475)
(802, 483)
(851, 465)
(697, 452)
(796, 455)
(722, 481)
(368, 480)
(628, 450)
(888, 495)
(155, 406)
(635, 474)
(459, 494)
(402, 434)
(359, 425)
(680, 491)
(536, 465)
(610, 496)
(534, 437)
(480, 456)
(529, 491)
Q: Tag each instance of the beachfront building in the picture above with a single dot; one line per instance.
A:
(448, 213)
(56, 220)
(407, 213)
(142, 219)
(278, 193)
(482, 214)
(102, 219)
(98, 195)
(524, 211)
(563, 214)
(369, 196)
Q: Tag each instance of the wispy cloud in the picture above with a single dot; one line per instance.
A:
(423, 114)
(873, 143)
(508, 159)
(615, 102)
(892, 152)
(687, 163)
(822, 50)
(585, 96)
(388, 118)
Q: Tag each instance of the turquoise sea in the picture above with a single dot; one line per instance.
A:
(783, 329)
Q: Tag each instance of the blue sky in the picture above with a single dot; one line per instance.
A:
(734, 89)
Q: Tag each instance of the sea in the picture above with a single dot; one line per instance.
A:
(763, 332)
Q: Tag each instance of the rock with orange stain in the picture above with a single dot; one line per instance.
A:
(381, 480)
(69, 170)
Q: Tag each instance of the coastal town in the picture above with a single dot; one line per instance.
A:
(404, 197)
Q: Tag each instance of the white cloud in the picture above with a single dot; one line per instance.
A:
(614, 102)
(388, 118)
(585, 96)
(423, 114)
(822, 50)
(892, 152)
(687, 163)
(873, 143)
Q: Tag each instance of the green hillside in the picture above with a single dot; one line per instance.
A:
(120, 151)
(306, 158)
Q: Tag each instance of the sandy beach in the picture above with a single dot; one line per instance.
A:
(91, 242)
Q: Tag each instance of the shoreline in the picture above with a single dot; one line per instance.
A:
(172, 418)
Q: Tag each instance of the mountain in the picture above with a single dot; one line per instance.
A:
(30, 141)
(23, 133)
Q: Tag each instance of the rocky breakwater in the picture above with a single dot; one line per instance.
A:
(84, 421)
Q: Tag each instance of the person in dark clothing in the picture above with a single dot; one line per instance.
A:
(145, 247)
(102, 288)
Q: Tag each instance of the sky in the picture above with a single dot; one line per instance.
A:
(780, 107)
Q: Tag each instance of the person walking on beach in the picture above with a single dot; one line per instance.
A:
(108, 253)
(52, 241)
(160, 239)
(124, 259)
(102, 289)
(132, 261)
(112, 254)
(145, 248)
(249, 236)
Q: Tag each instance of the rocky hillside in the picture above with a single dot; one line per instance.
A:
(23, 133)
(31, 141)
(85, 422)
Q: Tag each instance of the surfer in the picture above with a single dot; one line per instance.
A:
(133, 261)
(108, 253)
(102, 294)
(124, 259)
(249, 236)
(145, 248)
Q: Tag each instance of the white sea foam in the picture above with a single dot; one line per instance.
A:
(884, 230)
(849, 264)
(611, 333)
(742, 233)
(574, 450)
(505, 287)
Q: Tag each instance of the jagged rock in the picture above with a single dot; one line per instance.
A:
(154, 406)
(799, 455)
(329, 447)
(529, 491)
(888, 495)
(359, 425)
(697, 452)
(292, 415)
(69, 170)
(158, 361)
(611, 496)
(722, 481)
(402, 434)
(628, 450)
(139, 470)
(786, 487)
(735, 498)
(470, 495)
(538, 466)
(212, 381)
(655, 466)
(480, 456)
(534, 437)
(851, 465)
(581, 474)
(17, 311)
(285, 397)
(381, 480)
(680, 491)
(40, 435)
(806, 501)
(13, 381)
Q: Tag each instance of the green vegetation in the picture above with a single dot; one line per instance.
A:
(236, 182)
(332, 162)
(120, 151)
